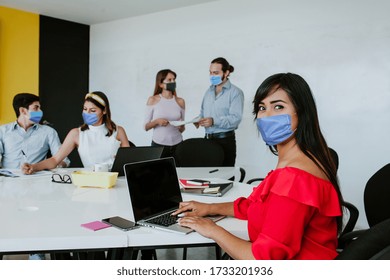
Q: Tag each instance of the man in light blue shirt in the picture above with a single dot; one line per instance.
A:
(222, 108)
(25, 140)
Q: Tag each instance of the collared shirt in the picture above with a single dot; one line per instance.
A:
(35, 143)
(226, 108)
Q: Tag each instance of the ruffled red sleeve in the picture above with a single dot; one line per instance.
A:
(242, 204)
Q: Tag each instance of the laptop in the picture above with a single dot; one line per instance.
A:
(133, 154)
(155, 193)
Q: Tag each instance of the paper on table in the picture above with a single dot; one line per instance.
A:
(211, 190)
(19, 173)
(7, 173)
(191, 184)
(179, 123)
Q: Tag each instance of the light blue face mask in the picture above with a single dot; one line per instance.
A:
(36, 116)
(275, 129)
(90, 118)
(215, 80)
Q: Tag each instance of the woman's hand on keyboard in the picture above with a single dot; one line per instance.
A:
(203, 226)
(191, 209)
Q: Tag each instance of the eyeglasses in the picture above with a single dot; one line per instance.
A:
(64, 179)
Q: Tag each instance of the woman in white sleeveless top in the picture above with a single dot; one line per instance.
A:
(97, 140)
(165, 106)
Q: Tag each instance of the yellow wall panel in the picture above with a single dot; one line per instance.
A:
(19, 57)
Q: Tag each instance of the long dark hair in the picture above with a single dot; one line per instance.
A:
(308, 133)
(160, 77)
(100, 100)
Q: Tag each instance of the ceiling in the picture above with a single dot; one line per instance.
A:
(97, 11)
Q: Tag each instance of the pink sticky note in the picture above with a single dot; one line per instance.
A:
(96, 225)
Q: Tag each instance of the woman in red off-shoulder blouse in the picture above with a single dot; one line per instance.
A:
(295, 213)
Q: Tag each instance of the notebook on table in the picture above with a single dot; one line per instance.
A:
(213, 189)
(155, 193)
(133, 154)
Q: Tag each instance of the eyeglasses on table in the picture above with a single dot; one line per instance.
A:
(64, 179)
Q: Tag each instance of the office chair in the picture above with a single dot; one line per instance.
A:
(131, 144)
(377, 195)
(335, 157)
(350, 211)
(352, 214)
(376, 202)
(242, 174)
(250, 181)
(372, 244)
(198, 152)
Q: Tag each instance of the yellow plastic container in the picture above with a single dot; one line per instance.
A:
(94, 179)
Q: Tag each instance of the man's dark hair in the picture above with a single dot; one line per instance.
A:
(23, 100)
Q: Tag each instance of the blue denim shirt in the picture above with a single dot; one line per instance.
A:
(35, 143)
(226, 108)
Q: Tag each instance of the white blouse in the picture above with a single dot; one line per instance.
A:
(95, 147)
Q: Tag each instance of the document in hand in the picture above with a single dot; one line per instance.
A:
(194, 183)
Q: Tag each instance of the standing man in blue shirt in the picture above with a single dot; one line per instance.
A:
(222, 108)
(25, 140)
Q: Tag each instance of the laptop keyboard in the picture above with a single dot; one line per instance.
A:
(164, 220)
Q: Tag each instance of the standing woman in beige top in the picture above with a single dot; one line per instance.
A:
(165, 106)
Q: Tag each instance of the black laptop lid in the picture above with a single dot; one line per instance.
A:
(133, 154)
(153, 187)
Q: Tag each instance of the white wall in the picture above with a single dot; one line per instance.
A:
(341, 48)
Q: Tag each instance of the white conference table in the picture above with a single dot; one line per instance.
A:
(38, 215)
(41, 216)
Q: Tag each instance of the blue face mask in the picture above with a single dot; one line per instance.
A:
(215, 80)
(275, 129)
(36, 116)
(90, 118)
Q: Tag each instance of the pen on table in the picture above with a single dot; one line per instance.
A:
(214, 170)
(24, 157)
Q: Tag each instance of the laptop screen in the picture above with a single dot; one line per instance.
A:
(134, 154)
(153, 187)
